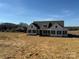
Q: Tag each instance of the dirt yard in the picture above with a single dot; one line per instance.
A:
(22, 46)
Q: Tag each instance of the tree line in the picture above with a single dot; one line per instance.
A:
(73, 28)
(11, 27)
(22, 27)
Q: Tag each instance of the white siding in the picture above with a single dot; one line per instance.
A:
(32, 27)
(58, 27)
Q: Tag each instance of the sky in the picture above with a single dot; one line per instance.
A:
(27, 11)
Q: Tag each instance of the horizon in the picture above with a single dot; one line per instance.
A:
(38, 21)
(27, 11)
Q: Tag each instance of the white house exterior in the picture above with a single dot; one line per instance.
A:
(47, 28)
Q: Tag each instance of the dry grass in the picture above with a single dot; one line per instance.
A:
(22, 46)
(74, 32)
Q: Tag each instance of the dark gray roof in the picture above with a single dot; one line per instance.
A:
(38, 24)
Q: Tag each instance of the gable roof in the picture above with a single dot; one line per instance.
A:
(38, 24)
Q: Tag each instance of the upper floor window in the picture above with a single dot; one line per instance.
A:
(44, 25)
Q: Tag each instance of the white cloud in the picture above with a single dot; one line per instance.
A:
(47, 19)
(67, 12)
(63, 14)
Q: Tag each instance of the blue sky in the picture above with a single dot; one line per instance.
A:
(27, 11)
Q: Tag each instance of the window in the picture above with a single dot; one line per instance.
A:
(34, 31)
(52, 32)
(44, 25)
(64, 32)
(29, 31)
(48, 32)
(44, 31)
(58, 32)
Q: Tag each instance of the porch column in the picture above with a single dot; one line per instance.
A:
(50, 32)
(42, 32)
(55, 32)
(62, 33)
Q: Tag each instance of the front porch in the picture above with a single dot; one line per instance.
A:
(48, 32)
(53, 32)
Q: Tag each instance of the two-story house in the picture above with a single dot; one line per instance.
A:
(47, 28)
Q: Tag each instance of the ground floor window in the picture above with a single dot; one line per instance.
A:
(64, 32)
(34, 31)
(48, 32)
(52, 32)
(29, 31)
(58, 32)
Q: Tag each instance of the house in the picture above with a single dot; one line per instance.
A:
(47, 28)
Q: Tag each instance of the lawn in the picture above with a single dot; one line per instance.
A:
(22, 46)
